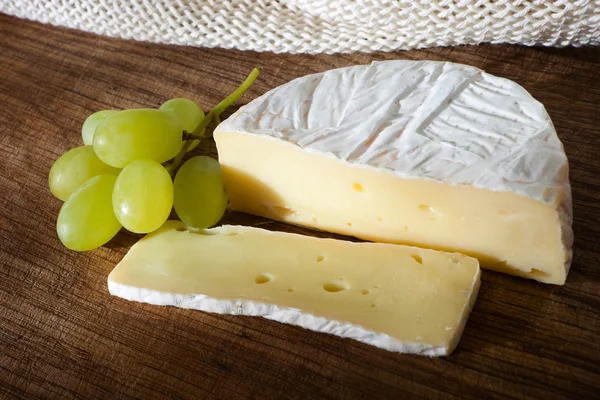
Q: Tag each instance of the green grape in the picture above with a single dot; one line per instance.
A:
(138, 134)
(86, 220)
(188, 112)
(73, 169)
(143, 196)
(199, 197)
(90, 124)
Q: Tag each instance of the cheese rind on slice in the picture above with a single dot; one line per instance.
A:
(430, 154)
(395, 297)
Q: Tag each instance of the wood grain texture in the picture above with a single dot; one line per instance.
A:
(63, 336)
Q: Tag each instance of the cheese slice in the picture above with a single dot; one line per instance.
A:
(430, 154)
(398, 298)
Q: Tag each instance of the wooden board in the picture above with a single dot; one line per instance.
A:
(62, 335)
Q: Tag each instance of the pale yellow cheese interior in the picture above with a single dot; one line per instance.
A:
(506, 232)
(413, 295)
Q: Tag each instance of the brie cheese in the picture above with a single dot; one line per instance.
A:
(398, 298)
(431, 154)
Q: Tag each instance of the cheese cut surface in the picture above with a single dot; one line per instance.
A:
(432, 154)
(395, 297)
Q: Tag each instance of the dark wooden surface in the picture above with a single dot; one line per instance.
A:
(62, 335)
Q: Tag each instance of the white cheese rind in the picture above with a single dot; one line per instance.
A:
(289, 316)
(443, 121)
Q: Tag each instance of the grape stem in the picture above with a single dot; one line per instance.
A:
(179, 157)
(213, 115)
(216, 112)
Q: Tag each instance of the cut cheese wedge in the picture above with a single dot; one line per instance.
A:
(398, 298)
(430, 154)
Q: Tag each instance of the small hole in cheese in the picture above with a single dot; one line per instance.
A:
(433, 219)
(373, 306)
(320, 258)
(349, 223)
(537, 272)
(263, 278)
(379, 219)
(364, 292)
(180, 229)
(417, 258)
(290, 290)
(231, 234)
(455, 259)
(502, 212)
(424, 207)
(283, 212)
(358, 187)
(505, 267)
(335, 287)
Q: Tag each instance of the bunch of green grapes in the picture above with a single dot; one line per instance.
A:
(123, 175)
